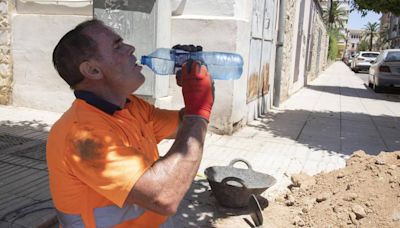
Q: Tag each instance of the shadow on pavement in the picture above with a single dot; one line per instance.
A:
(389, 93)
(199, 207)
(336, 132)
(25, 199)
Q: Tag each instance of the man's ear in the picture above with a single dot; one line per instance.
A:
(90, 70)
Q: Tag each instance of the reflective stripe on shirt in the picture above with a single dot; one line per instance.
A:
(108, 216)
(70, 221)
(113, 215)
(168, 224)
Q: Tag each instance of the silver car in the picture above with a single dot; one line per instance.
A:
(385, 71)
(362, 61)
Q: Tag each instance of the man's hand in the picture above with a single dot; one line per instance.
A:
(188, 48)
(197, 89)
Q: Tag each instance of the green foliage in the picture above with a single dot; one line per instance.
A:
(363, 46)
(379, 6)
(371, 31)
(335, 16)
(333, 47)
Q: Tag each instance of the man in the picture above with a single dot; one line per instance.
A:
(102, 156)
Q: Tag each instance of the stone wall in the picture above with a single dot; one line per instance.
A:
(288, 49)
(5, 53)
(319, 48)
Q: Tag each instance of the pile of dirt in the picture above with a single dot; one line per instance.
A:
(366, 193)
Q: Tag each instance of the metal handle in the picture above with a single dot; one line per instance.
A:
(235, 179)
(240, 160)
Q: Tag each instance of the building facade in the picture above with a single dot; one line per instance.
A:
(353, 40)
(394, 31)
(283, 44)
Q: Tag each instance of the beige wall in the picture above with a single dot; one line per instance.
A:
(34, 36)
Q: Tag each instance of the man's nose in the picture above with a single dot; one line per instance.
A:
(131, 48)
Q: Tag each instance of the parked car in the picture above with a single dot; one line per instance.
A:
(385, 71)
(362, 61)
(350, 59)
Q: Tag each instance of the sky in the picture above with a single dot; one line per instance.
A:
(358, 22)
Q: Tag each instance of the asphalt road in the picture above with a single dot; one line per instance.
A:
(363, 76)
(390, 91)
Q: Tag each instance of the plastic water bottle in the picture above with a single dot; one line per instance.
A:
(220, 65)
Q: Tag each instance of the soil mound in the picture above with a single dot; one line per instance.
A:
(366, 193)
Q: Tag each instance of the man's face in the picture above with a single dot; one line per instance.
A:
(116, 59)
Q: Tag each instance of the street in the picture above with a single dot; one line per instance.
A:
(363, 76)
(388, 91)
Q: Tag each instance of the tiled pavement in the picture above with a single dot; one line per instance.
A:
(314, 131)
(24, 192)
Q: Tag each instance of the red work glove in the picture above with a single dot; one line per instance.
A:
(197, 89)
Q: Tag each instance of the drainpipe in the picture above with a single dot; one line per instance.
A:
(279, 54)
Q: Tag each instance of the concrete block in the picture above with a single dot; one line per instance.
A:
(34, 37)
(203, 7)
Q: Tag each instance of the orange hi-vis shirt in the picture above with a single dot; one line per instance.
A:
(96, 152)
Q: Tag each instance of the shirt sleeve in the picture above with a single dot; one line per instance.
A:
(165, 122)
(100, 159)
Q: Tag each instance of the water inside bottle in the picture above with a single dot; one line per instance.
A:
(224, 72)
(163, 66)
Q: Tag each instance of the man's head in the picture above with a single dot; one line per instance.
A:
(93, 54)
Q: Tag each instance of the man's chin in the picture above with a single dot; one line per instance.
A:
(139, 81)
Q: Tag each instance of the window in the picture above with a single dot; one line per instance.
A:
(370, 55)
(393, 56)
(353, 45)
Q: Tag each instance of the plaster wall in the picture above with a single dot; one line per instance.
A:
(217, 26)
(36, 29)
(238, 9)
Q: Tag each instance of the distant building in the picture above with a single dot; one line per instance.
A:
(394, 31)
(354, 37)
(384, 25)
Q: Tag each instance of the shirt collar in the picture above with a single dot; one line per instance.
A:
(97, 102)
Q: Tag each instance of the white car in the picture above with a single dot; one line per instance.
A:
(362, 61)
(385, 71)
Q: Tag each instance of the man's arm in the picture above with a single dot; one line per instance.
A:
(173, 136)
(162, 187)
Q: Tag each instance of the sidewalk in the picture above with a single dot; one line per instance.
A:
(314, 131)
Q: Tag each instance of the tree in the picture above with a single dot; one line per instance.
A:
(335, 16)
(383, 39)
(379, 6)
(334, 36)
(363, 46)
(370, 31)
